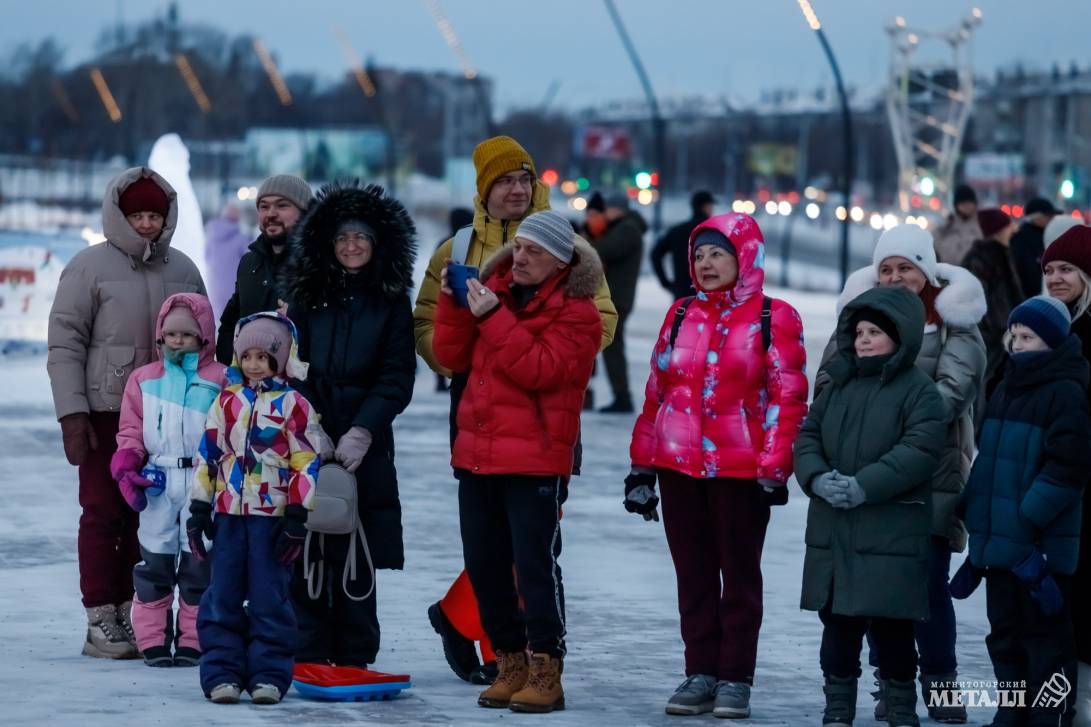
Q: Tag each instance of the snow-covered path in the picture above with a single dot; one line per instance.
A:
(625, 651)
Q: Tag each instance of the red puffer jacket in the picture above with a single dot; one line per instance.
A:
(717, 404)
(528, 368)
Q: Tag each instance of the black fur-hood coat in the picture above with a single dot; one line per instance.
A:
(312, 272)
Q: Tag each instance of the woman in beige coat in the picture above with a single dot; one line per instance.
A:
(101, 327)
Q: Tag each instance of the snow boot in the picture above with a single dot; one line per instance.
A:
(542, 692)
(940, 683)
(901, 703)
(225, 694)
(457, 649)
(105, 638)
(511, 677)
(158, 656)
(484, 674)
(880, 698)
(732, 700)
(125, 621)
(696, 695)
(185, 656)
(840, 701)
(265, 694)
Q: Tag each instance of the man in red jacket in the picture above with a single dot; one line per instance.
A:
(529, 337)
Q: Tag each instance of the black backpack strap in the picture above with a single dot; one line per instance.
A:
(679, 314)
(766, 322)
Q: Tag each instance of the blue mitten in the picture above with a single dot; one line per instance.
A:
(829, 488)
(854, 494)
(1033, 571)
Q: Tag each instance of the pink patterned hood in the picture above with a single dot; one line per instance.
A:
(717, 404)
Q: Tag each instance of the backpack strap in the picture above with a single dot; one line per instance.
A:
(679, 315)
(766, 322)
(460, 244)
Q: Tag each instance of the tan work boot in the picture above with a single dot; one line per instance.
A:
(511, 678)
(105, 638)
(543, 691)
(125, 621)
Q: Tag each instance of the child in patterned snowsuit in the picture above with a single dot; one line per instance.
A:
(256, 466)
(162, 419)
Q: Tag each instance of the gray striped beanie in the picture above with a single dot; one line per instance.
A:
(550, 231)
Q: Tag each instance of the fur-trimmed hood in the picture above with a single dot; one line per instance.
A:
(311, 270)
(961, 302)
(585, 274)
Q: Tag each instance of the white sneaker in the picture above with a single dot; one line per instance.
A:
(105, 638)
(265, 694)
(225, 694)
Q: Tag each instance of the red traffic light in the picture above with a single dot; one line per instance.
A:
(550, 177)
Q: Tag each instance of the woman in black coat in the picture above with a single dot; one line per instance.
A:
(348, 279)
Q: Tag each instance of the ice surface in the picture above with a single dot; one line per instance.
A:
(625, 650)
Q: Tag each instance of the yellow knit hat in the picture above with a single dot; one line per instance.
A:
(495, 157)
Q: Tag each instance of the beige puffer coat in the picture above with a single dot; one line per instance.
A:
(102, 324)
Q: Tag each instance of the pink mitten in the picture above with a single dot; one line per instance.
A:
(125, 467)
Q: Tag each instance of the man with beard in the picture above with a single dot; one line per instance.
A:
(281, 201)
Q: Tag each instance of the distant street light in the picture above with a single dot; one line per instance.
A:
(846, 123)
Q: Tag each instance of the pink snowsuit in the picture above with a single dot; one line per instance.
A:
(163, 414)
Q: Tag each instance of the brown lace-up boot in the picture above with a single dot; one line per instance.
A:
(512, 677)
(543, 691)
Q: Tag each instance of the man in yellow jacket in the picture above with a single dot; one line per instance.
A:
(508, 191)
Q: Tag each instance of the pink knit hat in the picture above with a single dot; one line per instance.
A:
(272, 335)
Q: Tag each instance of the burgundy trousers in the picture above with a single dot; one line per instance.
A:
(716, 529)
(107, 543)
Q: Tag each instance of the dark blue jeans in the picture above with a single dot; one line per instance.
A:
(254, 645)
(936, 636)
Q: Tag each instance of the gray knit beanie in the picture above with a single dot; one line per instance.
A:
(552, 232)
(288, 186)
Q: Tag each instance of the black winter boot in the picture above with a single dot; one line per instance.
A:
(840, 701)
(459, 651)
(901, 703)
(950, 711)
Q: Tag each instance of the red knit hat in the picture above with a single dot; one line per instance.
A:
(144, 195)
(1074, 246)
(992, 221)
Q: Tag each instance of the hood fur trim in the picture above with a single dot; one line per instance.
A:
(961, 302)
(585, 274)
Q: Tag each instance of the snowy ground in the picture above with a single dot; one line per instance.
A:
(625, 650)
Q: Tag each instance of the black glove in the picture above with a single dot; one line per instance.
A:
(772, 493)
(640, 495)
(1033, 571)
(293, 533)
(199, 523)
(965, 581)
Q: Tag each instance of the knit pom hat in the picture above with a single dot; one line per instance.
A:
(552, 232)
(1046, 316)
(144, 195)
(288, 186)
(495, 157)
(912, 243)
(179, 319)
(992, 221)
(1057, 227)
(274, 334)
(878, 318)
(1074, 246)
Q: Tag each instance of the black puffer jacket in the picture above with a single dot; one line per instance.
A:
(356, 332)
(1081, 582)
(255, 291)
(992, 264)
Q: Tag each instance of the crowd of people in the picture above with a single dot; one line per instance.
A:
(204, 453)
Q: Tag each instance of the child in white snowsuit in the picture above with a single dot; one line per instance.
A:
(162, 419)
(256, 467)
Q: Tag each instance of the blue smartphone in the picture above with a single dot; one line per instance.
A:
(457, 275)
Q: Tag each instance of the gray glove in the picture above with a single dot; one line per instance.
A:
(854, 494)
(353, 447)
(829, 487)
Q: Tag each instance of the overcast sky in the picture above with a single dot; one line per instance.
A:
(737, 47)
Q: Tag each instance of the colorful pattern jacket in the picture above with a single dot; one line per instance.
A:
(717, 404)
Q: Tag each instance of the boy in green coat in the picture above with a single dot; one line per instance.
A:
(865, 456)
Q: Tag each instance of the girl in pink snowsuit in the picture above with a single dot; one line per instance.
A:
(162, 420)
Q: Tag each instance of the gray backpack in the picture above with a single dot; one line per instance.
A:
(335, 512)
(460, 244)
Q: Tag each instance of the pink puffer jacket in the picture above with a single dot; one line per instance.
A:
(717, 404)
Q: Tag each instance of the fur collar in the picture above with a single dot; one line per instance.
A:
(961, 302)
(584, 275)
(311, 272)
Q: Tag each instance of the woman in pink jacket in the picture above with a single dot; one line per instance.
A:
(723, 405)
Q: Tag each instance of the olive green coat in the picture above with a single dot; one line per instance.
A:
(884, 422)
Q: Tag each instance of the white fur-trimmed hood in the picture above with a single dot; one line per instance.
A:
(961, 302)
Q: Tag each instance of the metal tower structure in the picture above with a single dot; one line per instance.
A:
(928, 102)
